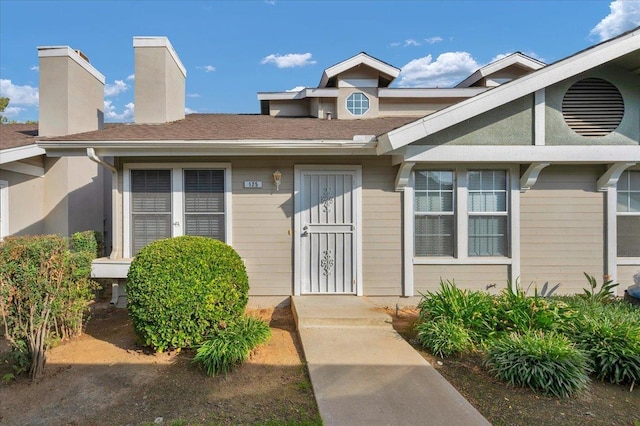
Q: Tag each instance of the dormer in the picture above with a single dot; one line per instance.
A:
(502, 71)
(361, 70)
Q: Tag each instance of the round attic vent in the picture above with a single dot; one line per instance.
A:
(593, 107)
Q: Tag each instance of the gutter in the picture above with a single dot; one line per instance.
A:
(115, 240)
(91, 153)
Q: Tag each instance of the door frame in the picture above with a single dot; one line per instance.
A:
(297, 203)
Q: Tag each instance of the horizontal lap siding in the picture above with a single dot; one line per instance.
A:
(381, 230)
(475, 277)
(562, 228)
(627, 274)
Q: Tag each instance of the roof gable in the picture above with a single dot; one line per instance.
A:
(389, 72)
(623, 50)
(515, 59)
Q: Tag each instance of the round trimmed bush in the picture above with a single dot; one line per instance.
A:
(180, 288)
(547, 362)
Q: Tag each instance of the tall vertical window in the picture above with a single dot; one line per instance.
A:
(487, 206)
(204, 203)
(628, 218)
(150, 207)
(434, 216)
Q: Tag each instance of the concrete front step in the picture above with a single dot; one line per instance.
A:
(337, 311)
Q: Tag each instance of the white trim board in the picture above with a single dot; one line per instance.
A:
(10, 155)
(61, 51)
(4, 209)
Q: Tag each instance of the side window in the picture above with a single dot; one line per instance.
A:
(488, 214)
(434, 213)
(150, 207)
(628, 217)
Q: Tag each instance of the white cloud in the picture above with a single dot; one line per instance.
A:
(193, 95)
(116, 88)
(289, 60)
(624, 16)
(448, 69)
(395, 44)
(411, 42)
(500, 56)
(34, 68)
(207, 68)
(110, 113)
(12, 111)
(296, 89)
(18, 95)
(433, 40)
(271, 2)
(189, 111)
(131, 77)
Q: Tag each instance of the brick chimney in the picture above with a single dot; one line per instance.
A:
(160, 81)
(71, 93)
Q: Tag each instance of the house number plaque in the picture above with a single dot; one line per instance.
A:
(252, 184)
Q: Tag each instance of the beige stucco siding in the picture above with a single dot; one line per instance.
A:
(492, 278)
(627, 133)
(293, 108)
(390, 107)
(26, 203)
(563, 228)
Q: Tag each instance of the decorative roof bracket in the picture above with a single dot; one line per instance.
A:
(404, 174)
(530, 177)
(610, 178)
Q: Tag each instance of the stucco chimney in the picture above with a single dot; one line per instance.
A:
(160, 81)
(71, 93)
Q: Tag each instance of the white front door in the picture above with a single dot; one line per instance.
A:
(327, 225)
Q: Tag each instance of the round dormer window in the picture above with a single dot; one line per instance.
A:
(357, 103)
(593, 107)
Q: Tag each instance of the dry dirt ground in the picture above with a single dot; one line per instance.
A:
(600, 404)
(105, 378)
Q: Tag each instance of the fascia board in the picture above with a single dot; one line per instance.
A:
(62, 51)
(564, 154)
(160, 41)
(503, 94)
(20, 153)
(466, 92)
(279, 96)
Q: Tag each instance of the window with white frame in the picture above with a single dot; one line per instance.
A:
(487, 209)
(443, 226)
(434, 216)
(173, 200)
(628, 217)
(358, 103)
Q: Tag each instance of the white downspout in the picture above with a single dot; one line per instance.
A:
(115, 238)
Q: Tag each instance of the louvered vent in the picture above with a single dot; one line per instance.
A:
(593, 107)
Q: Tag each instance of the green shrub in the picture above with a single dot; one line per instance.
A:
(231, 345)
(444, 337)
(44, 293)
(472, 310)
(87, 242)
(546, 362)
(180, 288)
(518, 312)
(613, 345)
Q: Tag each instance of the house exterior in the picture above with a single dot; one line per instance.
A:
(55, 195)
(523, 172)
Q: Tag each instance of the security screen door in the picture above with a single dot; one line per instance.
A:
(328, 223)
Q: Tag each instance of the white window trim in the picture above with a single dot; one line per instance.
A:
(4, 214)
(612, 232)
(177, 207)
(461, 213)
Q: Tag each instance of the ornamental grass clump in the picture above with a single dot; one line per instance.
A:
(231, 344)
(444, 337)
(458, 308)
(179, 289)
(546, 362)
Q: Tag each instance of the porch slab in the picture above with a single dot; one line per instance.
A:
(368, 374)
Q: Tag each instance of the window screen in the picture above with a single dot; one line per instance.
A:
(204, 209)
(150, 207)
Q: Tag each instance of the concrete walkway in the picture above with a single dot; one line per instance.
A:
(364, 373)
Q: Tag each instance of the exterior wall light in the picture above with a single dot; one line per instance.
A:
(277, 177)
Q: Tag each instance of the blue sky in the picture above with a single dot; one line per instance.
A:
(234, 49)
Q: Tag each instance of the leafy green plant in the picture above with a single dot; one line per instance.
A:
(613, 345)
(543, 361)
(516, 311)
(473, 310)
(605, 292)
(444, 337)
(231, 345)
(178, 289)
